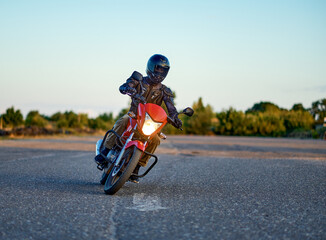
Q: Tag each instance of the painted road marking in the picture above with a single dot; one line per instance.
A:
(144, 203)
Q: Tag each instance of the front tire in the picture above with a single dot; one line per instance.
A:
(106, 172)
(120, 174)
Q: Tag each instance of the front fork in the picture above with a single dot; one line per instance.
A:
(117, 162)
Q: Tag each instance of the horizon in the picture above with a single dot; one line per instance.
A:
(115, 114)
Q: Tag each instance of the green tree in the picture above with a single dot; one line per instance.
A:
(97, 123)
(75, 120)
(263, 107)
(69, 119)
(123, 112)
(297, 120)
(82, 120)
(201, 122)
(107, 117)
(56, 117)
(72, 119)
(227, 121)
(60, 120)
(298, 107)
(12, 118)
(33, 118)
(104, 121)
(270, 124)
(232, 122)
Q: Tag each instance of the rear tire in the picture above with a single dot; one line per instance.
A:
(120, 174)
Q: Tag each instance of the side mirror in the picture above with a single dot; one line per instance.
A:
(188, 111)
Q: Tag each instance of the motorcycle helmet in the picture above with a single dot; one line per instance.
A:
(157, 68)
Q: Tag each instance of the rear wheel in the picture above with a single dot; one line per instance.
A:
(120, 174)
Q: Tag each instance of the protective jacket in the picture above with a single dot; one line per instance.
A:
(153, 93)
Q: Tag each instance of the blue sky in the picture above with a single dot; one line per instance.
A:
(74, 55)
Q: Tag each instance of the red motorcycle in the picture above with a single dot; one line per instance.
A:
(131, 145)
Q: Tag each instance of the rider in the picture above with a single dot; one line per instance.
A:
(151, 90)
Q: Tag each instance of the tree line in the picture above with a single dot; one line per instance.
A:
(67, 122)
(262, 119)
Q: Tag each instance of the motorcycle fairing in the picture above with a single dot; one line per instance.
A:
(141, 114)
(156, 112)
(132, 122)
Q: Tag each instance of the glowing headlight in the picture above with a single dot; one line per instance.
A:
(150, 126)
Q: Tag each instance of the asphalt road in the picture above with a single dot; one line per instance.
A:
(241, 188)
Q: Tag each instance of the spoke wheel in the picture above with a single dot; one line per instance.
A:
(121, 173)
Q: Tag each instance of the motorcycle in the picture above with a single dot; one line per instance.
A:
(131, 146)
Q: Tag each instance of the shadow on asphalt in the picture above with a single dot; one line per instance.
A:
(25, 182)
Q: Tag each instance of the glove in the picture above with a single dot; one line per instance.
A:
(177, 123)
(131, 91)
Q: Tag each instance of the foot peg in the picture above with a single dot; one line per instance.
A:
(100, 167)
(133, 179)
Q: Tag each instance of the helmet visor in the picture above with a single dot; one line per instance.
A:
(161, 71)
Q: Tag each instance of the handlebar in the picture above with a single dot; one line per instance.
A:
(140, 98)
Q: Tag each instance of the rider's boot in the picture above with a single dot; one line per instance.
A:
(134, 178)
(99, 159)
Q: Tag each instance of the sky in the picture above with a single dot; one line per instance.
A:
(73, 55)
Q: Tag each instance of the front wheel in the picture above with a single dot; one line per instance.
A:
(106, 172)
(120, 174)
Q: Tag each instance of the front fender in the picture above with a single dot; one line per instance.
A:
(138, 144)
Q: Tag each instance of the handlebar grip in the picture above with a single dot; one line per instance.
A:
(172, 121)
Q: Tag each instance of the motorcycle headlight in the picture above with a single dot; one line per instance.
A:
(150, 126)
